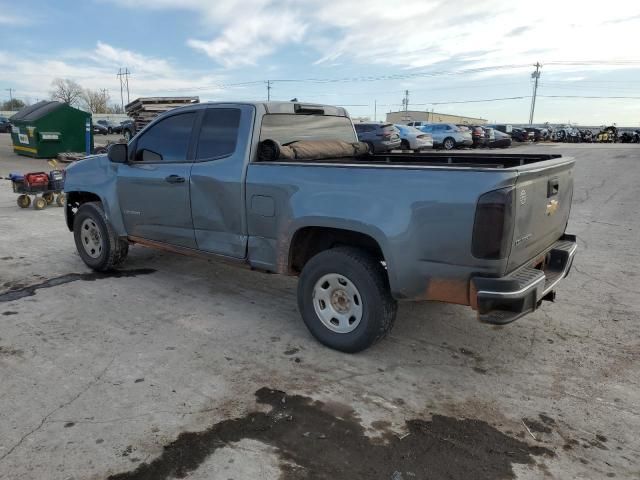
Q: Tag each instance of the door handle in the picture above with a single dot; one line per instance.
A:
(174, 179)
(553, 187)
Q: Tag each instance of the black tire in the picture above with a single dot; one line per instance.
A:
(109, 130)
(449, 143)
(60, 198)
(369, 277)
(49, 198)
(404, 145)
(24, 201)
(39, 203)
(114, 250)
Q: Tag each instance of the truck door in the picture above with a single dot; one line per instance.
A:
(217, 179)
(153, 187)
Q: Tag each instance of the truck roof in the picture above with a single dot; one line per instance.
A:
(301, 108)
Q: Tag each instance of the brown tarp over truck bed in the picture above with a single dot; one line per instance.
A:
(270, 150)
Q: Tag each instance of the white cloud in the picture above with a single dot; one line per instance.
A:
(413, 34)
(244, 41)
(9, 18)
(31, 76)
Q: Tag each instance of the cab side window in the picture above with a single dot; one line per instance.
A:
(218, 134)
(167, 140)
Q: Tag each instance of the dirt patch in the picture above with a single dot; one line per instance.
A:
(536, 426)
(546, 419)
(19, 291)
(9, 351)
(324, 446)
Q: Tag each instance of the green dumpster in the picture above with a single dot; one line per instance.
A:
(47, 128)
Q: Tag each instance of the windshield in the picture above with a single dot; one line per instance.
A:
(287, 128)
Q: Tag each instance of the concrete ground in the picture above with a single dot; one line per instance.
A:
(99, 374)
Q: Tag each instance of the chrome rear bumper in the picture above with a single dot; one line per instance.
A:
(505, 299)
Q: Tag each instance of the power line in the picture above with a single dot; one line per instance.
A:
(371, 78)
(590, 96)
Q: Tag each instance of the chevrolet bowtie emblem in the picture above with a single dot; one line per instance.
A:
(552, 206)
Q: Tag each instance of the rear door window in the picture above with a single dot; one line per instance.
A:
(218, 134)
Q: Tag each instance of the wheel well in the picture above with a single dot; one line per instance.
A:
(74, 200)
(309, 241)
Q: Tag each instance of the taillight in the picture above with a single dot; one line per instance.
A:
(493, 225)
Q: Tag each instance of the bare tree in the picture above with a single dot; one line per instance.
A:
(116, 108)
(13, 104)
(97, 101)
(67, 91)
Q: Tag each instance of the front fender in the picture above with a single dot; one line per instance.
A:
(95, 176)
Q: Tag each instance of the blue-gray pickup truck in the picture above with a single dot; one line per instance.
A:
(361, 231)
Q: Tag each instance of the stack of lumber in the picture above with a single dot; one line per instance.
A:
(143, 110)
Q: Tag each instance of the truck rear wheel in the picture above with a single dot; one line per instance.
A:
(97, 243)
(344, 299)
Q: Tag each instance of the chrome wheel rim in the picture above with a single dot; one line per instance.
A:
(91, 238)
(337, 303)
(448, 144)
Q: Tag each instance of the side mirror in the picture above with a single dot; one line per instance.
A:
(118, 153)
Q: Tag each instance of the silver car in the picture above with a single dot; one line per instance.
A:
(414, 139)
(448, 135)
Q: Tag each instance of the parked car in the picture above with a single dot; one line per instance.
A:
(522, 135)
(586, 135)
(501, 140)
(381, 137)
(413, 139)
(98, 128)
(448, 135)
(479, 136)
(5, 125)
(360, 233)
(112, 127)
(539, 134)
(128, 129)
(416, 124)
(504, 128)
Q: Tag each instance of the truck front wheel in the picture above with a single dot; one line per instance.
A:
(344, 299)
(98, 245)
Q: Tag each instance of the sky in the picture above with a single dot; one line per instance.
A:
(451, 56)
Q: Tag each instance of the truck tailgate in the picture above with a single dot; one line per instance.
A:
(542, 204)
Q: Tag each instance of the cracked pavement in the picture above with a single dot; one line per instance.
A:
(98, 376)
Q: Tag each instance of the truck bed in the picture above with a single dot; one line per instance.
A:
(470, 159)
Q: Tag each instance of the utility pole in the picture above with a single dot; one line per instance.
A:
(535, 75)
(119, 75)
(375, 110)
(268, 90)
(405, 101)
(10, 90)
(123, 75)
